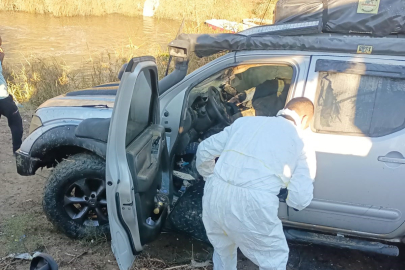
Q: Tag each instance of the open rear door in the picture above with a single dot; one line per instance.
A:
(137, 163)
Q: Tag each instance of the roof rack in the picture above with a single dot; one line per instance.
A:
(305, 36)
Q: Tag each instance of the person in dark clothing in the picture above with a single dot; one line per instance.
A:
(9, 109)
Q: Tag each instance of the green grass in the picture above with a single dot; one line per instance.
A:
(20, 234)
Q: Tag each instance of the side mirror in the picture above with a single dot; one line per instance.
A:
(122, 70)
(179, 48)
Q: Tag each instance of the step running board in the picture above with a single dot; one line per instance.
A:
(341, 242)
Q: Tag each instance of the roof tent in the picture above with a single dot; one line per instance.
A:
(209, 44)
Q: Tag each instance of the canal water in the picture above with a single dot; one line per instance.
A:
(75, 39)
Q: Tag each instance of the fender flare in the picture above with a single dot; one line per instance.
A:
(64, 136)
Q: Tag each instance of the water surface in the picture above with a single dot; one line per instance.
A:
(77, 38)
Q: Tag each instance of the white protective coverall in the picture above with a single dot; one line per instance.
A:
(257, 157)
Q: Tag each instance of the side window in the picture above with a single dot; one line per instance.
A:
(359, 104)
(139, 112)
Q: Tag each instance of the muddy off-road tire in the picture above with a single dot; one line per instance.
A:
(186, 216)
(75, 194)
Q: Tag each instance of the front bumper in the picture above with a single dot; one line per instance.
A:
(26, 165)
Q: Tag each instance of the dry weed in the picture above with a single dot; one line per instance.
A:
(37, 80)
(75, 7)
(192, 10)
(145, 262)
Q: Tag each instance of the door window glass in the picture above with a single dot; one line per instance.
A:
(139, 111)
(359, 104)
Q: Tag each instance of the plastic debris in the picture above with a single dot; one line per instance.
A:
(200, 264)
(150, 221)
(184, 176)
(182, 163)
(22, 256)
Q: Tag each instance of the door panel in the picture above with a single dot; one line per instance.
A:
(354, 189)
(144, 155)
(136, 149)
(140, 161)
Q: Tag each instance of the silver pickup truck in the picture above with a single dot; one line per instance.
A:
(148, 138)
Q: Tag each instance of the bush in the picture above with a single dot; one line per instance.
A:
(42, 79)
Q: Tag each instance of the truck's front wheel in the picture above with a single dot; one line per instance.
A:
(75, 196)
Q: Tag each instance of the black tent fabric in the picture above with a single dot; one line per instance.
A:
(376, 17)
(209, 44)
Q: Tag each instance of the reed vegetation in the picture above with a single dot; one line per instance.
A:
(38, 79)
(193, 10)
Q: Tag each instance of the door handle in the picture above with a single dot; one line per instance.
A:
(391, 160)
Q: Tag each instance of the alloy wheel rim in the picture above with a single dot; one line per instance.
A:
(85, 202)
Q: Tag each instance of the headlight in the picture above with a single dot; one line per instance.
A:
(35, 123)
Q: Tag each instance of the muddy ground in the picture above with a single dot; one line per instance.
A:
(24, 228)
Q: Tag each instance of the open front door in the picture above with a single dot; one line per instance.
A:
(137, 163)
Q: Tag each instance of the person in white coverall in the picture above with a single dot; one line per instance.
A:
(257, 157)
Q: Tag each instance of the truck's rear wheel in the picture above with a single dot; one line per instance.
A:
(75, 196)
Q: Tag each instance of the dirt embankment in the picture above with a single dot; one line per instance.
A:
(24, 228)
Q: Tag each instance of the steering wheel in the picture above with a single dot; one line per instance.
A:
(218, 108)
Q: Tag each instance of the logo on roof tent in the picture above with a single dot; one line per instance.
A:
(368, 6)
(364, 49)
(285, 29)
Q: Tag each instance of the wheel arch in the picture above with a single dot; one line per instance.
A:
(60, 142)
